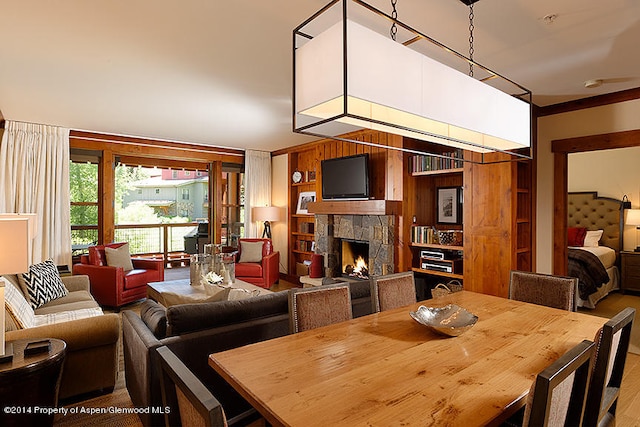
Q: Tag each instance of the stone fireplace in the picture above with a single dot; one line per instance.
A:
(378, 231)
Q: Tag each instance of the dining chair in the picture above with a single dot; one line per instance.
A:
(311, 308)
(393, 291)
(544, 289)
(190, 403)
(612, 345)
(558, 394)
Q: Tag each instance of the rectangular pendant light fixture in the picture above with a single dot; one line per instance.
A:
(350, 75)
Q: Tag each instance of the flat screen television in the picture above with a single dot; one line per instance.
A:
(345, 178)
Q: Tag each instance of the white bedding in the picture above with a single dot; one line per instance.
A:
(607, 256)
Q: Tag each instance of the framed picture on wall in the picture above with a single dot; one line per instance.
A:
(449, 205)
(304, 198)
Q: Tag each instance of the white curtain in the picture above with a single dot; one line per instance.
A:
(257, 187)
(34, 176)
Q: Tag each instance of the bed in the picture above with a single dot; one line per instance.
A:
(595, 259)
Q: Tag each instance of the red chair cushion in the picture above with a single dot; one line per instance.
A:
(248, 269)
(136, 278)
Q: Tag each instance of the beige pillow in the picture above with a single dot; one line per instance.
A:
(251, 251)
(119, 257)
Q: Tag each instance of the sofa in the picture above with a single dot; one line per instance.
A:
(91, 362)
(115, 286)
(193, 331)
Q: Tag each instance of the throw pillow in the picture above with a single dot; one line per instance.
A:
(592, 238)
(576, 236)
(155, 317)
(251, 251)
(20, 310)
(119, 257)
(43, 283)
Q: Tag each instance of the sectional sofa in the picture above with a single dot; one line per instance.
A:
(193, 331)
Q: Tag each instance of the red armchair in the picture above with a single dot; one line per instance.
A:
(113, 286)
(263, 273)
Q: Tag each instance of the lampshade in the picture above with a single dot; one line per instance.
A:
(14, 244)
(633, 217)
(265, 213)
(33, 221)
(350, 75)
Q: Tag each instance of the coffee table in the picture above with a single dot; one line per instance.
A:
(172, 292)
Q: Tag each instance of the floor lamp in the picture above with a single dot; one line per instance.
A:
(14, 258)
(266, 214)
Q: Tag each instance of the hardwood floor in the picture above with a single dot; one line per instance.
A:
(628, 412)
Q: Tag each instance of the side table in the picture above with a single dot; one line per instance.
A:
(630, 280)
(29, 384)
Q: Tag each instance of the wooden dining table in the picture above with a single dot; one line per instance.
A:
(386, 369)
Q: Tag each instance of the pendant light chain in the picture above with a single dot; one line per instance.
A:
(471, 28)
(394, 15)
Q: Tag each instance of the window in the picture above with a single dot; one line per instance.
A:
(232, 204)
(185, 194)
(139, 190)
(174, 174)
(83, 187)
(187, 173)
(157, 191)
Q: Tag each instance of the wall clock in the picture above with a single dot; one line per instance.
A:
(297, 177)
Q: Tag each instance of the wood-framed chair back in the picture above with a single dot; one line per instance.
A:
(559, 392)
(311, 308)
(393, 291)
(544, 289)
(612, 344)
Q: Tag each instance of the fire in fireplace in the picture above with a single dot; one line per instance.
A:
(355, 258)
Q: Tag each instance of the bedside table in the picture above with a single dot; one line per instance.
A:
(630, 280)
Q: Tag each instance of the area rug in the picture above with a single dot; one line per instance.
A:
(612, 305)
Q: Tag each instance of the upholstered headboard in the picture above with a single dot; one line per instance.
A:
(587, 210)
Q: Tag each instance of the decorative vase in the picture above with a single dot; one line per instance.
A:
(200, 265)
(317, 264)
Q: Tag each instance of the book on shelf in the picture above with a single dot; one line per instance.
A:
(307, 227)
(305, 245)
(446, 160)
(424, 234)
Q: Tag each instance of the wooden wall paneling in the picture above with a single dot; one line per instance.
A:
(215, 201)
(106, 221)
(124, 145)
(488, 248)
(560, 189)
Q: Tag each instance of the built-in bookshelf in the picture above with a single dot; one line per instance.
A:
(447, 161)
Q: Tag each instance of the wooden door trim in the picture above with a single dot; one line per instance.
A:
(561, 148)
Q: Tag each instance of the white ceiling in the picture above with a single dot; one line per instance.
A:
(219, 72)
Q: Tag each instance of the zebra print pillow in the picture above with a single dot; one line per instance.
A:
(43, 283)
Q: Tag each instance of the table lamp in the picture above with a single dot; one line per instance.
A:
(266, 214)
(633, 218)
(14, 258)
